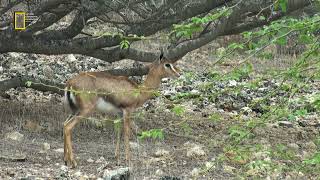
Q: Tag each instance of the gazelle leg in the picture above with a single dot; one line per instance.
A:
(65, 150)
(127, 128)
(117, 150)
(118, 129)
(67, 135)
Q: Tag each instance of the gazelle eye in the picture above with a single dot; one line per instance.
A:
(167, 65)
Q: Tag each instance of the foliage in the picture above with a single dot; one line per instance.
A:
(237, 133)
(178, 110)
(152, 133)
(187, 30)
(28, 83)
(124, 44)
(240, 73)
(278, 31)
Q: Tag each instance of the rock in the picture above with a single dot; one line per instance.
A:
(117, 174)
(1, 69)
(161, 152)
(310, 146)
(59, 150)
(228, 169)
(285, 124)
(165, 80)
(261, 155)
(195, 92)
(195, 172)
(45, 146)
(306, 155)
(232, 83)
(20, 157)
(134, 145)
(194, 150)
(169, 93)
(159, 172)
(294, 146)
(90, 160)
(246, 109)
(48, 72)
(78, 173)
(100, 160)
(71, 58)
(84, 177)
(170, 178)
(64, 168)
(32, 126)
(16, 136)
(186, 88)
(13, 54)
(209, 164)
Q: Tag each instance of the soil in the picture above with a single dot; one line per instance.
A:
(39, 117)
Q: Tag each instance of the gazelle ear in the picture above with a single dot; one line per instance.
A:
(161, 56)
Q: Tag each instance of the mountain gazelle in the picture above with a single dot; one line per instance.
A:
(90, 91)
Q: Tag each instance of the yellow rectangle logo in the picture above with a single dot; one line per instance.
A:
(20, 20)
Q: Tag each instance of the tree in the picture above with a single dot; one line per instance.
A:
(195, 23)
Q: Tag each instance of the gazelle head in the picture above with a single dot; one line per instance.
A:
(165, 68)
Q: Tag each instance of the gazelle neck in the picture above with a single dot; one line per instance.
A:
(151, 84)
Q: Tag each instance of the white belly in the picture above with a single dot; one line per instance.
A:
(105, 106)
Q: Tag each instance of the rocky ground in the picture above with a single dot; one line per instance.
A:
(213, 128)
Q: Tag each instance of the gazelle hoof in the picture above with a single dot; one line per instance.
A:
(73, 164)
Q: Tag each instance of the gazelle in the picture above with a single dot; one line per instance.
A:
(92, 91)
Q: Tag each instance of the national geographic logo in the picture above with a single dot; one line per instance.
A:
(23, 19)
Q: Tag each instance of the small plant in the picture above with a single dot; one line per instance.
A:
(178, 110)
(215, 117)
(124, 44)
(240, 73)
(315, 160)
(153, 134)
(238, 133)
(283, 152)
(185, 95)
(28, 83)
(258, 167)
(186, 128)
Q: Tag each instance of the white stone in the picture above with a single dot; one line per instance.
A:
(195, 172)
(16, 136)
(78, 174)
(232, 83)
(71, 58)
(46, 146)
(161, 152)
(59, 150)
(194, 150)
(100, 160)
(159, 172)
(90, 160)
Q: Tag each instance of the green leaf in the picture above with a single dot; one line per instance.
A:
(314, 160)
(28, 83)
(124, 44)
(305, 38)
(283, 5)
(281, 41)
(262, 18)
(152, 133)
(178, 110)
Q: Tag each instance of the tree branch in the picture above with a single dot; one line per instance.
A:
(48, 18)
(10, 5)
(71, 31)
(40, 85)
